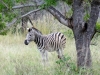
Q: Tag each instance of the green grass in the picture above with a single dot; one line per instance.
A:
(19, 59)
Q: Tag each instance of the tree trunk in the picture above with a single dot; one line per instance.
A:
(82, 41)
(24, 24)
(83, 32)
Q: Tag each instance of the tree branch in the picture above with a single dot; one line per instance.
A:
(14, 20)
(22, 6)
(98, 31)
(62, 19)
(5, 4)
(9, 25)
(30, 21)
(95, 4)
(27, 5)
(78, 13)
(31, 12)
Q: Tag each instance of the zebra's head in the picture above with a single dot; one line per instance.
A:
(31, 35)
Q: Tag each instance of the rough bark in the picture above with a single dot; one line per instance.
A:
(95, 7)
(62, 19)
(83, 38)
(78, 34)
(24, 24)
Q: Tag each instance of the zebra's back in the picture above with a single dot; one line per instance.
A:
(55, 41)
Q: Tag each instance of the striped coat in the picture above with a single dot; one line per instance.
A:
(46, 43)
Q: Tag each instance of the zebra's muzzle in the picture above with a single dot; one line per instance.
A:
(25, 42)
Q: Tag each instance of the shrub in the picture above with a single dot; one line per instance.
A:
(98, 26)
(2, 25)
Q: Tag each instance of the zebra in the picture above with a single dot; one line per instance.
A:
(46, 43)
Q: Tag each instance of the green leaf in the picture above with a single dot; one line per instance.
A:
(98, 26)
(2, 24)
(50, 2)
(86, 17)
(69, 2)
(2, 7)
(21, 1)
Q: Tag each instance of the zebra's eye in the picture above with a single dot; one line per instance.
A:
(30, 35)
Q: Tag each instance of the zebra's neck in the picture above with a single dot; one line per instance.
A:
(38, 38)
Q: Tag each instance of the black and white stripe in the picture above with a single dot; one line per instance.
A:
(51, 42)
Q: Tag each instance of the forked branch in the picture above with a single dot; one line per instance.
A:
(93, 16)
(62, 19)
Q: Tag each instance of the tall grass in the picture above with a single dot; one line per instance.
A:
(19, 59)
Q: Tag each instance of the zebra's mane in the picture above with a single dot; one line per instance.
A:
(36, 30)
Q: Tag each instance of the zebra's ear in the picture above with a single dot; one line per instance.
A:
(29, 29)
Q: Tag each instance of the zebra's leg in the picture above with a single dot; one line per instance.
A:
(60, 53)
(44, 56)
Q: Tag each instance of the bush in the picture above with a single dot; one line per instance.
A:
(66, 66)
(68, 33)
(2, 25)
(98, 26)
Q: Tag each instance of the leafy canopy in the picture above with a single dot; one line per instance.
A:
(7, 14)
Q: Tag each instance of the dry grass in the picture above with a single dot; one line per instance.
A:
(19, 59)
